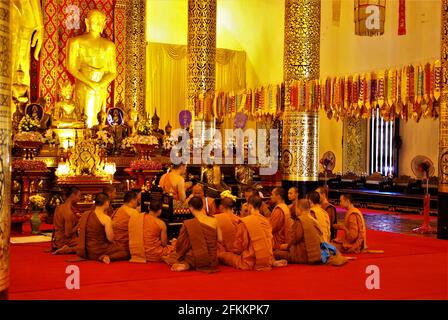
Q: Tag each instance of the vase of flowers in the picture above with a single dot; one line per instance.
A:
(37, 203)
(144, 142)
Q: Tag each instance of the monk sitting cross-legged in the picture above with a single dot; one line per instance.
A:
(320, 215)
(293, 196)
(96, 234)
(120, 220)
(305, 240)
(354, 227)
(228, 222)
(331, 210)
(208, 203)
(196, 246)
(66, 224)
(280, 218)
(249, 192)
(252, 249)
(148, 241)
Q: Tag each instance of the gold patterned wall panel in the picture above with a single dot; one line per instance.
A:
(120, 43)
(300, 146)
(201, 48)
(301, 59)
(135, 55)
(443, 125)
(354, 149)
(5, 137)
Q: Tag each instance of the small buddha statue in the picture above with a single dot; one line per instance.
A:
(159, 133)
(101, 117)
(20, 92)
(67, 113)
(168, 129)
(130, 121)
(118, 128)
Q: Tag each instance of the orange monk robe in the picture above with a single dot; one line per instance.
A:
(252, 249)
(264, 210)
(145, 239)
(353, 241)
(228, 224)
(93, 242)
(197, 246)
(209, 206)
(120, 225)
(65, 226)
(281, 225)
(323, 219)
(304, 243)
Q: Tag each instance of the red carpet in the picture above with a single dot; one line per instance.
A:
(412, 267)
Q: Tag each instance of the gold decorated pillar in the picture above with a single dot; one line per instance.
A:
(301, 59)
(135, 82)
(5, 151)
(442, 221)
(201, 48)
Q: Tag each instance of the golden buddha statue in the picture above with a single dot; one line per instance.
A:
(101, 117)
(131, 120)
(67, 113)
(91, 59)
(156, 131)
(20, 91)
(27, 29)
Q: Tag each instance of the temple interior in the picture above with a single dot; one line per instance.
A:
(285, 107)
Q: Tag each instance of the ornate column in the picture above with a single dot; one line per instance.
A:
(442, 221)
(120, 44)
(135, 87)
(301, 60)
(201, 48)
(5, 151)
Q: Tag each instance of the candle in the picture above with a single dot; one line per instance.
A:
(127, 184)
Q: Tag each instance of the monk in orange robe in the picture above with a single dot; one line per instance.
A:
(252, 249)
(173, 182)
(66, 224)
(111, 192)
(331, 210)
(208, 203)
(264, 210)
(354, 228)
(320, 215)
(148, 241)
(227, 222)
(96, 234)
(280, 218)
(293, 197)
(120, 220)
(196, 246)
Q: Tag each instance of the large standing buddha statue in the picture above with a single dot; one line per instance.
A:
(91, 59)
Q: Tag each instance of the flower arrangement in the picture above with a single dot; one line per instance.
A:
(28, 124)
(146, 165)
(143, 139)
(127, 143)
(51, 137)
(103, 138)
(144, 127)
(169, 143)
(32, 165)
(37, 202)
(228, 194)
(33, 136)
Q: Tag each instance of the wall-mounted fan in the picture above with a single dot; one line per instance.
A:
(328, 162)
(423, 169)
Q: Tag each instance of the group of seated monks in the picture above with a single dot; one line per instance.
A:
(258, 239)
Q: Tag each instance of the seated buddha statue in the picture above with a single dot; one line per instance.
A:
(20, 92)
(101, 117)
(67, 113)
(118, 128)
(156, 131)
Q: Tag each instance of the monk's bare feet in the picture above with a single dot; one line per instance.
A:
(61, 250)
(179, 267)
(105, 259)
(280, 263)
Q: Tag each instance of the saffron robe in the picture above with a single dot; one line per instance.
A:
(209, 206)
(65, 226)
(353, 241)
(145, 242)
(93, 242)
(304, 244)
(197, 246)
(253, 245)
(281, 225)
(168, 187)
(228, 224)
(324, 221)
(120, 223)
(331, 210)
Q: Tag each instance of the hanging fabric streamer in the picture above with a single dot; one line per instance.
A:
(402, 17)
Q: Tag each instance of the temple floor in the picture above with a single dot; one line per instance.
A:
(412, 267)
